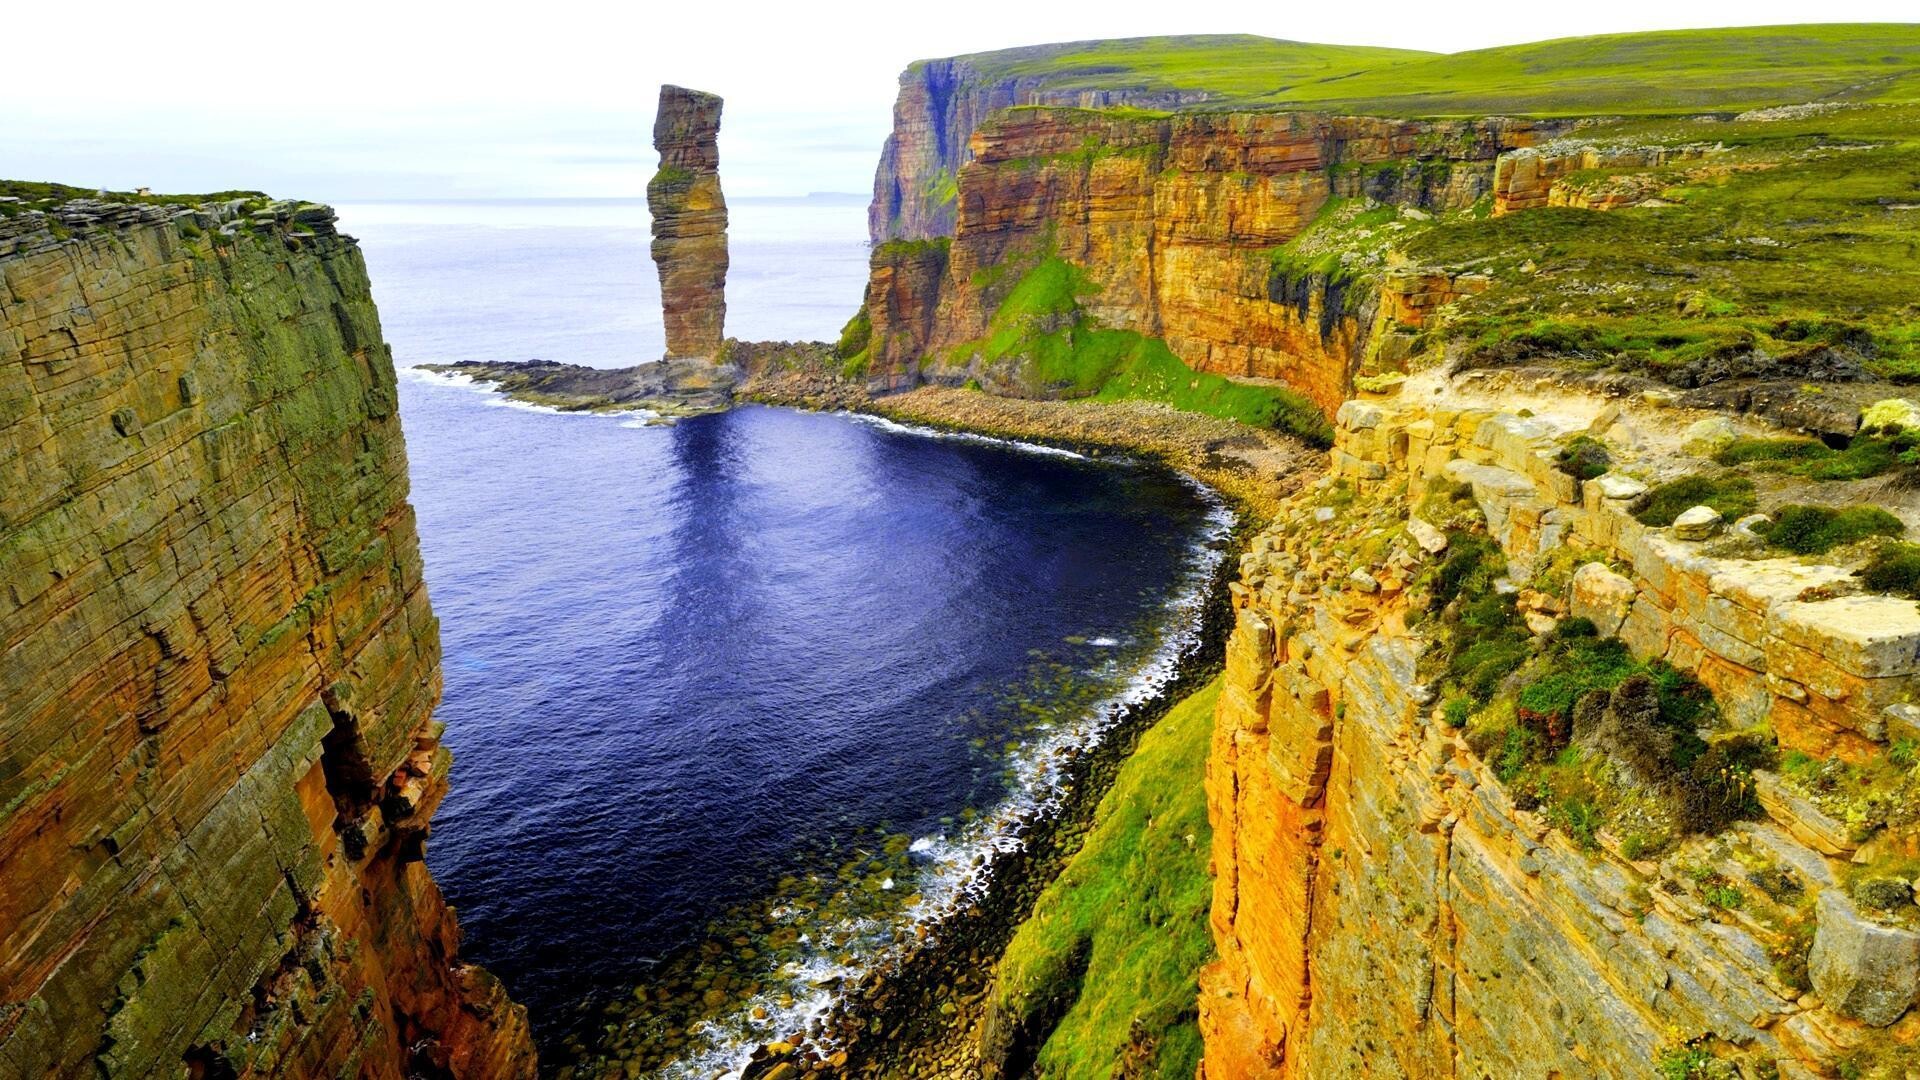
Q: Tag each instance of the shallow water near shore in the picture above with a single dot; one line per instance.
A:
(737, 702)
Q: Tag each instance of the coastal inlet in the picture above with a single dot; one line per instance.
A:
(775, 702)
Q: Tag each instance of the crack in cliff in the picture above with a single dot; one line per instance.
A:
(1447, 929)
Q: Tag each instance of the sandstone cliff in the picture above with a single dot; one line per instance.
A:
(1177, 223)
(690, 223)
(1399, 894)
(940, 105)
(218, 665)
(1515, 772)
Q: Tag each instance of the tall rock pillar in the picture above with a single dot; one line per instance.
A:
(690, 223)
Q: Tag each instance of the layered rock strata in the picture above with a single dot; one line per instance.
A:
(940, 105)
(1385, 906)
(1177, 221)
(218, 666)
(690, 223)
(1532, 178)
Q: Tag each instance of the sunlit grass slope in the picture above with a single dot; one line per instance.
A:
(1041, 343)
(1132, 906)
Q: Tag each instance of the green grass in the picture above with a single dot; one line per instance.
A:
(1786, 255)
(1895, 568)
(1662, 72)
(671, 179)
(1731, 495)
(1584, 458)
(1041, 343)
(1132, 905)
(1816, 530)
(1235, 67)
(854, 350)
(41, 195)
(1865, 456)
(893, 250)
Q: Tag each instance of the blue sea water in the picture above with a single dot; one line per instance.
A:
(686, 662)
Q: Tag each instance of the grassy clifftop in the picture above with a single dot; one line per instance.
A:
(1660, 72)
(1787, 251)
(1231, 66)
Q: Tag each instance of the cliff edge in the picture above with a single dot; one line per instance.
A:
(218, 665)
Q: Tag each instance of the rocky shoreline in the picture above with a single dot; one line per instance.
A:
(927, 1015)
(1251, 467)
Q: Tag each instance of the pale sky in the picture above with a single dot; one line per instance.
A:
(355, 99)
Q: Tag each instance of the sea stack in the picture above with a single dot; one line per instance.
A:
(690, 223)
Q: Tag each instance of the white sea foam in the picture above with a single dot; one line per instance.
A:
(885, 424)
(447, 378)
(957, 868)
(632, 418)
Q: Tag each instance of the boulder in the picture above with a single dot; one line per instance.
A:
(1860, 968)
(1615, 486)
(1355, 415)
(1705, 438)
(1431, 540)
(1699, 523)
(1602, 596)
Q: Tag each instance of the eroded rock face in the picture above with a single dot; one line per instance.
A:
(1533, 178)
(940, 104)
(1861, 969)
(1385, 906)
(218, 666)
(1175, 220)
(690, 223)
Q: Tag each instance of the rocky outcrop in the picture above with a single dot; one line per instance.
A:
(218, 665)
(671, 387)
(1177, 221)
(1385, 905)
(940, 105)
(690, 223)
(790, 372)
(904, 286)
(1546, 176)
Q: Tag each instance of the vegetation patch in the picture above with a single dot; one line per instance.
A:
(1123, 931)
(1572, 724)
(854, 349)
(671, 179)
(1656, 72)
(33, 194)
(1042, 343)
(1732, 495)
(1865, 796)
(1816, 530)
(1584, 458)
(1864, 457)
(1779, 257)
(1894, 568)
(892, 251)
